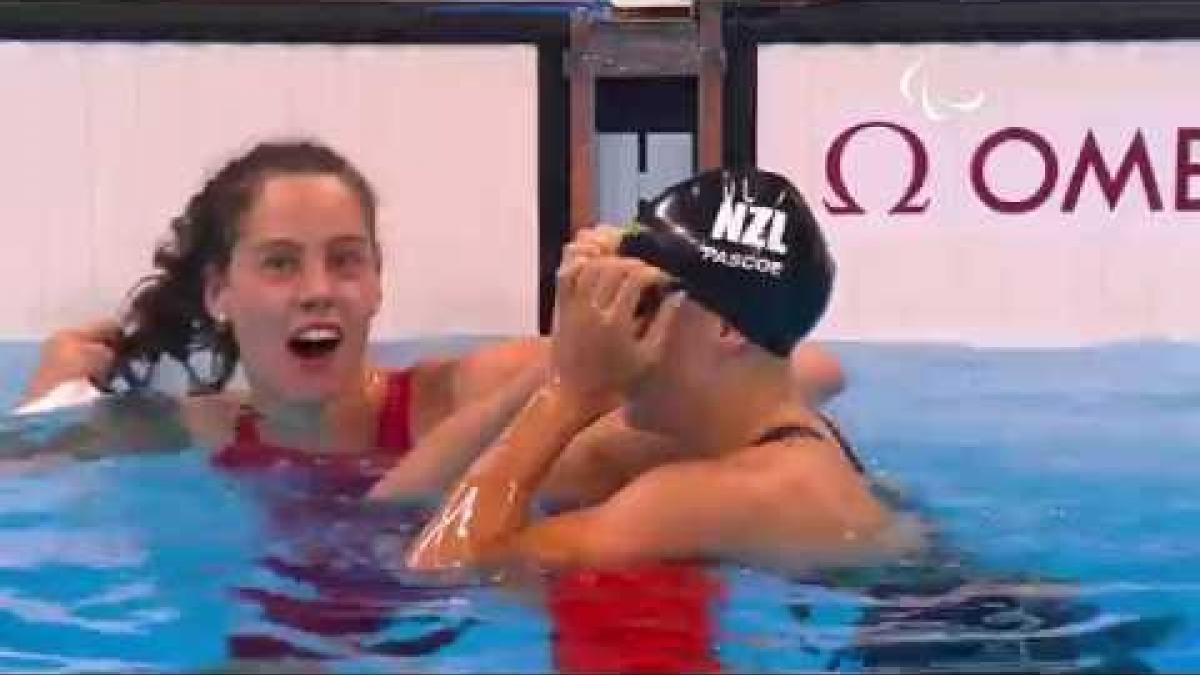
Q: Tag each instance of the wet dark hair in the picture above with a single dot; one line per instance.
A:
(166, 312)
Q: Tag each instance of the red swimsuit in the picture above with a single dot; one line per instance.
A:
(333, 482)
(343, 472)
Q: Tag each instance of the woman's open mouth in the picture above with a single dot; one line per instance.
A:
(315, 342)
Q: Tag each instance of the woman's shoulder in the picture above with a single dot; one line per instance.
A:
(483, 369)
(442, 384)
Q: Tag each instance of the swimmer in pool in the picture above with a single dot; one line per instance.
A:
(742, 274)
(275, 264)
(609, 453)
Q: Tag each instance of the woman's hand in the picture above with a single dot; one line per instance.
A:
(600, 348)
(80, 352)
(592, 242)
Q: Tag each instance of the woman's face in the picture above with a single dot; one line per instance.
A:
(665, 400)
(301, 289)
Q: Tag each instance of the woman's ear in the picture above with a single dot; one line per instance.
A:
(216, 284)
(375, 293)
(729, 339)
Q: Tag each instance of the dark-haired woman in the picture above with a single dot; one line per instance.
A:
(275, 263)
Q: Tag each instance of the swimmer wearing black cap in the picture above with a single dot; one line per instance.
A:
(742, 274)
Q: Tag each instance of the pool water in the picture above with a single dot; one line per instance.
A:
(1061, 483)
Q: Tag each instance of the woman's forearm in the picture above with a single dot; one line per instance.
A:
(526, 450)
(492, 500)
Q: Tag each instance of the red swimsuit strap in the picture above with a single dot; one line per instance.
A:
(395, 428)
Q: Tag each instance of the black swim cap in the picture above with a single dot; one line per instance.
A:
(745, 246)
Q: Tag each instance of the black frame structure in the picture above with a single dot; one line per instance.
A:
(748, 24)
(545, 25)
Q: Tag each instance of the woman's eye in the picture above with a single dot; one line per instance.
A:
(279, 263)
(348, 260)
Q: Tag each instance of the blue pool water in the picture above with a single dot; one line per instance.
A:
(1063, 484)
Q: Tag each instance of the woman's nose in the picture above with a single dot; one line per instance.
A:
(316, 288)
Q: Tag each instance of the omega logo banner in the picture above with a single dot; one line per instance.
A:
(1037, 194)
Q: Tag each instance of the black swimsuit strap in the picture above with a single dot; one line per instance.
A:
(847, 448)
(789, 431)
(804, 431)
